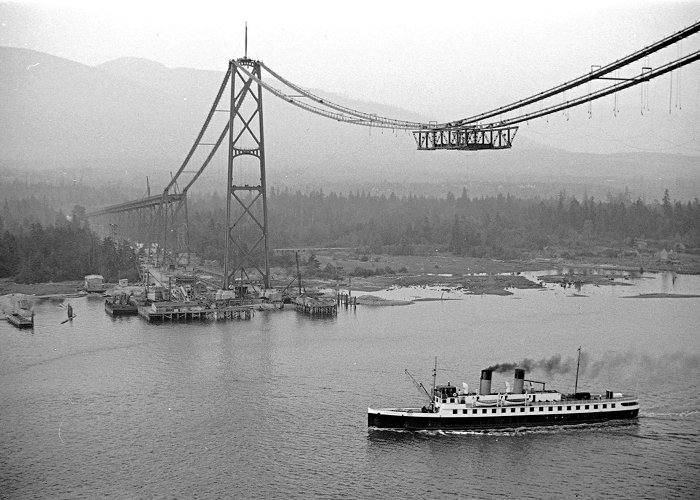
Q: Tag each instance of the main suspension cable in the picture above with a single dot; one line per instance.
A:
(342, 114)
(593, 75)
(643, 77)
(398, 124)
(368, 119)
(212, 110)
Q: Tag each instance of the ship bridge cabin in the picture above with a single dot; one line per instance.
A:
(444, 392)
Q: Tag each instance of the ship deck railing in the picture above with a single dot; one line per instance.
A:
(594, 399)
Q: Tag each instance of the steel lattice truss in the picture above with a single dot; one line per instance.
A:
(246, 138)
(158, 222)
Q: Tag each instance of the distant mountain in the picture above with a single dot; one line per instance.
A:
(59, 112)
(138, 116)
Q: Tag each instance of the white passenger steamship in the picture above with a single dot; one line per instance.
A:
(523, 406)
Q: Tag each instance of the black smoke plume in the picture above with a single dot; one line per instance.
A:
(662, 365)
(612, 365)
(550, 366)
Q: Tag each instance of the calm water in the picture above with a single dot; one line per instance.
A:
(276, 406)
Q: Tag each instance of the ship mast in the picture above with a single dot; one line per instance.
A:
(432, 399)
(578, 362)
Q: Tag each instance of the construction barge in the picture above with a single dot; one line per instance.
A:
(21, 320)
(181, 298)
(121, 304)
(22, 314)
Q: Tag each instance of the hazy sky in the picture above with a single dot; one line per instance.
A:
(445, 60)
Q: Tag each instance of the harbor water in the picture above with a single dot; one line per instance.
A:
(276, 407)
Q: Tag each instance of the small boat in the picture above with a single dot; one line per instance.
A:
(20, 320)
(120, 304)
(451, 409)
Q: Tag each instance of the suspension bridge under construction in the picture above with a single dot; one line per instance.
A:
(160, 221)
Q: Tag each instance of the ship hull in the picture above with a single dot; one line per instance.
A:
(387, 419)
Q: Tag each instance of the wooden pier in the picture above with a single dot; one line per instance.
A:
(159, 312)
(346, 300)
(316, 306)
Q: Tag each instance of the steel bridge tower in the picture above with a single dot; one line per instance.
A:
(246, 199)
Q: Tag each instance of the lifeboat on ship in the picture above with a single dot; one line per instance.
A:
(514, 399)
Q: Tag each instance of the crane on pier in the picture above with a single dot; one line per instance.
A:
(246, 255)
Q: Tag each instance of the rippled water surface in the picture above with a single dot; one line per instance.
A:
(277, 406)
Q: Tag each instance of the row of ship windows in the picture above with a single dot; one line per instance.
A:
(532, 409)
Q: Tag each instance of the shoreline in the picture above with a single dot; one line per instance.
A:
(471, 275)
(60, 289)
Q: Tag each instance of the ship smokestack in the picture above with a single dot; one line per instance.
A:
(518, 381)
(485, 382)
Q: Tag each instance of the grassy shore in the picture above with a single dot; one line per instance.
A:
(40, 289)
(476, 275)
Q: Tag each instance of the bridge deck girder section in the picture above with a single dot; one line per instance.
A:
(465, 138)
(150, 202)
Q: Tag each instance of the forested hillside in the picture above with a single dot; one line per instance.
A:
(40, 243)
(63, 250)
(501, 226)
